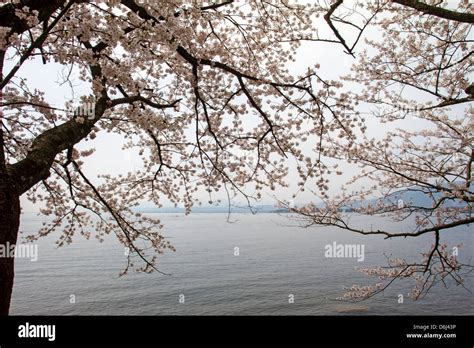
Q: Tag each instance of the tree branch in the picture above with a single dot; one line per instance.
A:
(437, 11)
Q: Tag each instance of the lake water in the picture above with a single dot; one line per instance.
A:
(276, 258)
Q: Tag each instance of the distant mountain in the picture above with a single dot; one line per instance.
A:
(414, 196)
(267, 208)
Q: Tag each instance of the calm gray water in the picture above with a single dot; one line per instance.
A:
(276, 259)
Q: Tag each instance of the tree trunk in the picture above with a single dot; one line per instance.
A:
(9, 224)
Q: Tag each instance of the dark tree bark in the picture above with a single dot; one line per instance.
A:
(437, 11)
(9, 224)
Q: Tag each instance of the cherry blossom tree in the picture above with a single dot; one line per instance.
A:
(202, 89)
(420, 71)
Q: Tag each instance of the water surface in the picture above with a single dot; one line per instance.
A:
(276, 259)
